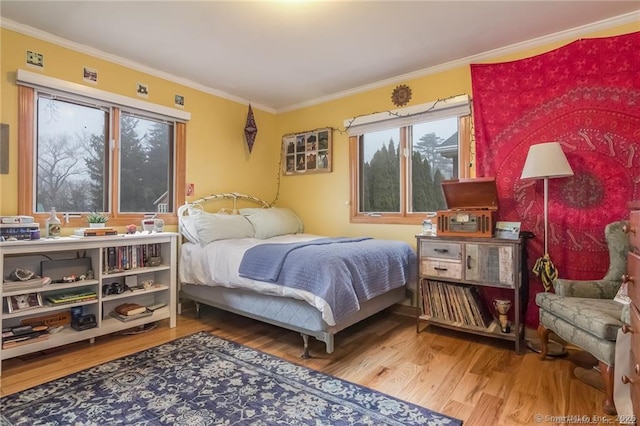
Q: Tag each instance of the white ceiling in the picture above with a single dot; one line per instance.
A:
(280, 55)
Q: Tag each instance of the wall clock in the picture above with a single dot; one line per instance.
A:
(401, 95)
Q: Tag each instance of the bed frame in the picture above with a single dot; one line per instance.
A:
(292, 314)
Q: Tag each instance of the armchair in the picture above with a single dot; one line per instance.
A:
(584, 313)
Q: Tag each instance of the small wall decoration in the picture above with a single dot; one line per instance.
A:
(35, 59)
(179, 101)
(90, 75)
(250, 129)
(401, 95)
(308, 152)
(142, 90)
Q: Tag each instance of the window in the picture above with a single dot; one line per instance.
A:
(397, 164)
(79, 155)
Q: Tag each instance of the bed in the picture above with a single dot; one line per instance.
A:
(258, 262)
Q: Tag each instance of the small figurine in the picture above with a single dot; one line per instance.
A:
(131, 229)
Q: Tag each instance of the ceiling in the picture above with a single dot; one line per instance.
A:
(280, 55)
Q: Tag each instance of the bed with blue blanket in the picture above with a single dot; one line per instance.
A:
(260, 264)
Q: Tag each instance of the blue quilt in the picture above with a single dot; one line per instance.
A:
(341, 271)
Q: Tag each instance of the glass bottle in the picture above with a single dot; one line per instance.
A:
(53, 225)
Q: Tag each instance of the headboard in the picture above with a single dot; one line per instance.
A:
(188, 211)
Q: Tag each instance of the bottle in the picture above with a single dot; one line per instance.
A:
(53, 225)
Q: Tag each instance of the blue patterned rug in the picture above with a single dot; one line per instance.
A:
(204, 380)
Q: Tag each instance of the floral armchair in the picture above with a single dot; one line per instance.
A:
(584, 313)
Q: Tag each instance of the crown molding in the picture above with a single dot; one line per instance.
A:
(81, 48)
(491, 54)
(547, 39)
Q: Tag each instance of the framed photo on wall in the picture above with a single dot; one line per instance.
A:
(309, 152)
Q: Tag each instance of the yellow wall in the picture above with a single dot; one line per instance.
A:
(217, 157)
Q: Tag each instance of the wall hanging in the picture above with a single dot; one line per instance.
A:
(584, 95)
(308, 152)
(250, 129)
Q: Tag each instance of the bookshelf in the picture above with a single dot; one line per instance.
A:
(452, 272)
(146, 263)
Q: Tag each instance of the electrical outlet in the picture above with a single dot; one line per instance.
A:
(36, 59)
(191, 189)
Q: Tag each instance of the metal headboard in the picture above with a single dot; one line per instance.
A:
(195, 207)
(190, 208)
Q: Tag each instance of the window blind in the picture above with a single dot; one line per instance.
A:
(457, 106)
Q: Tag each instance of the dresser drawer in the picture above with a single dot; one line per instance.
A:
(634, 229)
(443, 250)
(633, 270)
(441, 268)
(634, 361)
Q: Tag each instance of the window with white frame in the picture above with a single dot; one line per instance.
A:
(398, 160)
(87, 154)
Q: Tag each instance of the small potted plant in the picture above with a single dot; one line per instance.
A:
(96, 220)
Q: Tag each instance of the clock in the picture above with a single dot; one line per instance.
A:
(401, 95)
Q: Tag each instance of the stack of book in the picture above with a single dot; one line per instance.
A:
(130, 311)
(458, 303)
(95, 232)
(71, 297)
(22, 335)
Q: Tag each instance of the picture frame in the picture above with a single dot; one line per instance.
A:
(308, 152)
(508, 230)
(22, 302)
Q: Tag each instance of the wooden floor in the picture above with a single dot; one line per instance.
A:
(481, 381)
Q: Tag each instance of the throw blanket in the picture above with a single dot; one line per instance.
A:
(341, 271)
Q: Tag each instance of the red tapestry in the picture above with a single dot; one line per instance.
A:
(585, 95)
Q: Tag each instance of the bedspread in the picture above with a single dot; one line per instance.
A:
(343, 272)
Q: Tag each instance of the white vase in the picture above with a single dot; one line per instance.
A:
(96, 225)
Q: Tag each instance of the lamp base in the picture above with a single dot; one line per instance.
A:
(554, 349)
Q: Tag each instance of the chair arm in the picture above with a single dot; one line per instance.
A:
(591, 289)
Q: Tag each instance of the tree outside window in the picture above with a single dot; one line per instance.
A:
(400, 170)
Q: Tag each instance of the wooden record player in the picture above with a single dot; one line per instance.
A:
(472, 208)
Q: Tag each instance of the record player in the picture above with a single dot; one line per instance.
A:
(472, 208)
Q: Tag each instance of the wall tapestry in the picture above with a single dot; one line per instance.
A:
(585, 95)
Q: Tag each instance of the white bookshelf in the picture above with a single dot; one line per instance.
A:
(29, 255)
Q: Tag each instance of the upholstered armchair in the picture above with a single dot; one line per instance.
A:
(584, 313)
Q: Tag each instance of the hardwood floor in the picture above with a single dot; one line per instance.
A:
(481, 381)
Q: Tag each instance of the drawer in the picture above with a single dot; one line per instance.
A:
(441, 268)
(634, 229)
(635, 357)
(635, 335)
(633, 270)
(442, 250)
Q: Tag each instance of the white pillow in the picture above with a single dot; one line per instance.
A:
(273, 221)
(213, 227)
(188, 224)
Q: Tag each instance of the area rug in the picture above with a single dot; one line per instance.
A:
(205, 380)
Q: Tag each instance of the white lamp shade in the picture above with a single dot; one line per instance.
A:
(546, 160)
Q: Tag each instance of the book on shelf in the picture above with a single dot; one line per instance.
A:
(126, 318)
(15, 343)
(95, 232)
(128, 309)
(78, 296)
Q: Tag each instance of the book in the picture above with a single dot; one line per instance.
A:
(95, 232)
(128, 309)
(125, 318)
(13, 344)
(72, 297)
